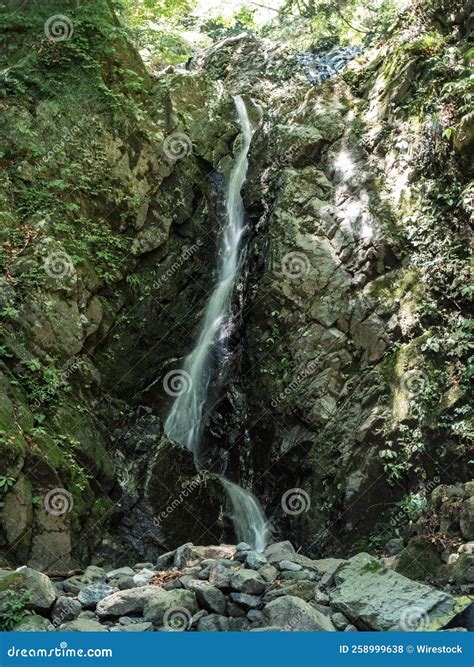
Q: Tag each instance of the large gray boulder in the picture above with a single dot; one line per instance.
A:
(295, 615)
(247, 581)
(179, 602)
(42, 591)
(65, 609)
(379, 599)
(131, 601)
(209, 597)
(91, 595)
(82, 625)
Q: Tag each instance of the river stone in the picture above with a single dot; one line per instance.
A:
(247, 601)
(339, 621)
(379, 599)
(279, 551)
(162, 601)
(137, 627)
(165, 561)
(254, 560)
(302, 575)
(209, 597)
(268, 573)
(247, 581)
(183, 555)
(220, 576)
(296, 615)
(41, 588)
(288, 565)
(34, 624)
(120, 572)
(300, 589)
(235, 610)
(143, 577)
(91, 595)
(255, 615)
(82, 625)
(131, 601)
(65, 609)
(213, 623)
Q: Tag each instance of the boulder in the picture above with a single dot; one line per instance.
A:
(42, 590)
(220, 575)
(295, 615)
(289, 565)
(247, 581)
(209, 597)
(278, 551)
(131, 601)
(82, 625)
(466, 519)
(179, 601)
(65, 609)
(375, 598)
(120, 572)
(33, 624)
(300, 589)
(91, 595)
(247, 601)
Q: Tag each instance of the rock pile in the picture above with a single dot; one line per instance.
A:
(227, 588)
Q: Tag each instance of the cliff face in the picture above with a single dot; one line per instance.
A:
(350, 359)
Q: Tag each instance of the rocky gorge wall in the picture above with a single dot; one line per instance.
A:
(346, 393)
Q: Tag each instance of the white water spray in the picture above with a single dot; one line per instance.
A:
(186, 419)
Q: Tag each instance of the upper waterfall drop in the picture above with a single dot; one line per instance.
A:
(186, 420)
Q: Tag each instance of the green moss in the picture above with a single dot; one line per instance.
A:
(419, 560)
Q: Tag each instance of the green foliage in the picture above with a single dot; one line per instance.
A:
(14, 604)
(6, 483)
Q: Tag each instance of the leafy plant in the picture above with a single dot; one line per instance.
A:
(14, 605)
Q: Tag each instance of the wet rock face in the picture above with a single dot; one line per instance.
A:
(359, 594)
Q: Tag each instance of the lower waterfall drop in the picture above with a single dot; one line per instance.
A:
(186, 419)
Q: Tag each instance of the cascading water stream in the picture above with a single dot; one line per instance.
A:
(186, 419)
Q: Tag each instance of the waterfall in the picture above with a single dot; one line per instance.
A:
(186, 419)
